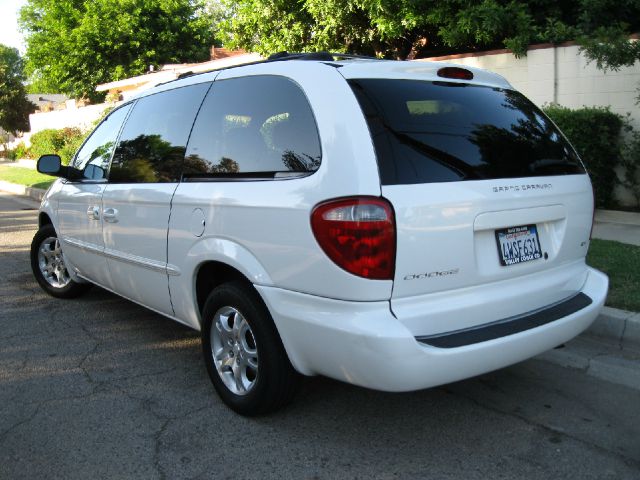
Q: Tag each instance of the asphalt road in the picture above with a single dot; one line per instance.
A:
(99, 387)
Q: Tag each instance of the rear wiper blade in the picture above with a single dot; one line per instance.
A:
(548, 163)
(443, 158)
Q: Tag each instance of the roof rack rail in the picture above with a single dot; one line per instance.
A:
(318, 56)
(353, 55)
(279, 57)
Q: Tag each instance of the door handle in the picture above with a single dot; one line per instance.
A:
(93, 213)
(110, 215)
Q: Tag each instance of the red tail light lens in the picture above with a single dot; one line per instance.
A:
(358, 234)
(455, 72)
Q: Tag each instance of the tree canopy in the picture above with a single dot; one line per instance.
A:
(73, 45)
(14, 105)
(406, 28)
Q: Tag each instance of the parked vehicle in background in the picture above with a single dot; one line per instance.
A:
(388, 224)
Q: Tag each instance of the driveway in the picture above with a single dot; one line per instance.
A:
(99, 387)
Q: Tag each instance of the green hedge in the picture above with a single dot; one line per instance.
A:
(631, 176)
(64, 142)
(9, 154)
(20, 152)
(595, 133)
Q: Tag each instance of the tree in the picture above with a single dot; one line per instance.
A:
(603, 31)
(14, 105)
(407, 28)
(74, 45)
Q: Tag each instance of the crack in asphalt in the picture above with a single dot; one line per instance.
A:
(631, 462)
(591, 359)
(148, 405)
(7, 431)
(624, 329)
(157, 448)
(158, 438)
(145, 403)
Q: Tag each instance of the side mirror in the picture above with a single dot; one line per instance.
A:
(50, 165)
(94, 172)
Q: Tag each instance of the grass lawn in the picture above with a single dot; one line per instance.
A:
(622, 263)
(25, 176)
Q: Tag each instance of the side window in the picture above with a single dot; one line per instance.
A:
(253, 126)
(94, 156)
(154, 138)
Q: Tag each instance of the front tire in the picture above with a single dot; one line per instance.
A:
(47, 264)
(243, 353)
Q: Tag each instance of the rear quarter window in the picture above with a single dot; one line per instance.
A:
(427, 132)
(258, 126)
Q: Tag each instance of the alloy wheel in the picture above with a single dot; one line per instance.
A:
(234, 351)
(51, 263)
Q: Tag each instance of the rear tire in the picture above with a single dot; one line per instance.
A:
(243, 353)
(47, 264)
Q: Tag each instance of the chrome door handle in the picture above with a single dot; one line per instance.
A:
(110, 215)
(93, 213)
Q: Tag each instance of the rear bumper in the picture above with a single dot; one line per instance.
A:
(364, 344)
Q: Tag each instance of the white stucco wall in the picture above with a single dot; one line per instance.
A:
(82, 117)
(564, 76)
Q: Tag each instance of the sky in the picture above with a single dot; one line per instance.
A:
(9, 34)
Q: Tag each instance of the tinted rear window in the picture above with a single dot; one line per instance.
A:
(445, 132)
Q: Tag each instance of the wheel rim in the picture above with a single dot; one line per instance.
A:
(234, 351)
(51, 263)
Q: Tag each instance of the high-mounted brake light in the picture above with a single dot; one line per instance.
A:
(358, 234)
(456, 73)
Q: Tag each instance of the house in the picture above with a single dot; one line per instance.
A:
(220, 58)
(47, 102)
(57, 112)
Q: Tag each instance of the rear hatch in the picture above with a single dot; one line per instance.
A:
(488, 196)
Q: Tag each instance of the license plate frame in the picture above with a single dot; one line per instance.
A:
(519, 239)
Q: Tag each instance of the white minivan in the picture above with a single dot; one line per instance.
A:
(394, 225)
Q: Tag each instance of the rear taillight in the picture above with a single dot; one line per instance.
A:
(358, 234)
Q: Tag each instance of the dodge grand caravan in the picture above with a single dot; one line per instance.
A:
(394, 225)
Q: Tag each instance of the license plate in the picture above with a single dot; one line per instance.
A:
(518, 244)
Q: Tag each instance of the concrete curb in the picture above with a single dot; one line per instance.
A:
(617, 216)
(34, 193)
(619, 325)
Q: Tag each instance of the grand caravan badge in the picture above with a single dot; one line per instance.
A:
(522, 187)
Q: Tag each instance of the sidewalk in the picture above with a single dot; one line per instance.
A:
(619, 226)
(23, 163)
(33, 193)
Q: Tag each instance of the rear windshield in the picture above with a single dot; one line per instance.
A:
(427, 132)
